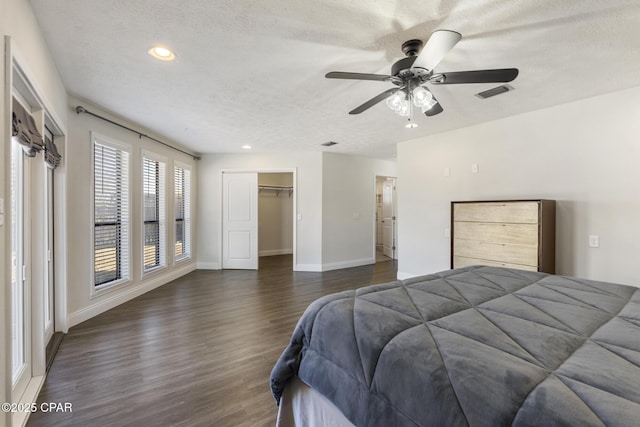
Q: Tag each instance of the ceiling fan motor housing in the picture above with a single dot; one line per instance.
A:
(402, 72)
(412, 47)
(402, 65)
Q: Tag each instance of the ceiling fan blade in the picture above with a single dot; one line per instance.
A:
(479, 76)
(437, 47)
(373, 101)
(357, 76)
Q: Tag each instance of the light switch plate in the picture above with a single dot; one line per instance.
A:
(594, 241)
(474, 168)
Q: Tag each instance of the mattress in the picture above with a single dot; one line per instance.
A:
(300, 405)
(480, 346)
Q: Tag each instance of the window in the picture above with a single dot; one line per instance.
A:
(111, 212)
(182, 185)
(17, 260)
(153, 189)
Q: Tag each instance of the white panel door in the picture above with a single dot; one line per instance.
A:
(389, 219)
(240, 220)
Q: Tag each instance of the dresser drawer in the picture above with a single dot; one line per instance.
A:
(501, 252)
(519, 234)
(512, 212)
(459, 262)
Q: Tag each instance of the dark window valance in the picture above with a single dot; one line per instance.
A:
(24, 127)
(51, 156)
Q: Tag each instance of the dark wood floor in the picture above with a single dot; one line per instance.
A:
(195, 352)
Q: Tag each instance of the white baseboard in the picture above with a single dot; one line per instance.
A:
(271, 252)
(403, 276)
(208, 265)
(347, 264)
(308, 267)
(334, 265)
(126, 295)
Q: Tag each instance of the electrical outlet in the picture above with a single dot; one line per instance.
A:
(594, 241)
(447, 171)
(474, 168)
(447, 233)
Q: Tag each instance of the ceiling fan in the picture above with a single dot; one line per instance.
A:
(411, 74)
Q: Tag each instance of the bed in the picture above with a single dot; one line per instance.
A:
(478, 346)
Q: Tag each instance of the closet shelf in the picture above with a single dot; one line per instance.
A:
(277, 188)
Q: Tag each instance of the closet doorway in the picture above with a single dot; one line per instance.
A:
(275, 219)
(258, 219)
(386, 224)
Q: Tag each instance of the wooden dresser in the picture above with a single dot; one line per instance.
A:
(509, 233)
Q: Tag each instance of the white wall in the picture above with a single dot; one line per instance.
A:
(348, 209)
(308, 186)
(584, 154)
(80, 216)
(275, 217)
(22, 27)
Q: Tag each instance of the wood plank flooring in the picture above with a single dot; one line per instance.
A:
(195, 352)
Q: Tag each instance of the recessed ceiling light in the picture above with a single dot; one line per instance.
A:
(246, 147)
(162, 53)
(411, 125)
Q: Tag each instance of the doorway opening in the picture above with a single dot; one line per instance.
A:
(258, 226)
(34, 260)
(275, 219)
(385, 219)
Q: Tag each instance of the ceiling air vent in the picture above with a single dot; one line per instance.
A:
(329, 144)
(495, 91)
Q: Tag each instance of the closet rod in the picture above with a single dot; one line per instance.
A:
(275, 187)
(81, 109)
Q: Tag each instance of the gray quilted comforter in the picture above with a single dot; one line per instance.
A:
(479, 346)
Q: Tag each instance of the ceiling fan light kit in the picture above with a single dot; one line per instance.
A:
(412, 73)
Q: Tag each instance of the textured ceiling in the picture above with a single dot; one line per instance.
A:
(252, 72)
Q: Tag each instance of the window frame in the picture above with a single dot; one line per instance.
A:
(19, 234)
(162, 213)
(98, 289)
(187, 219)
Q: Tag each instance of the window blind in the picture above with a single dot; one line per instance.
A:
(153, 179)
(111, 214)
(182, 186)
(52, 157)
(25, 129)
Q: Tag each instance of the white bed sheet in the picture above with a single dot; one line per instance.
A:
(302, 406)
